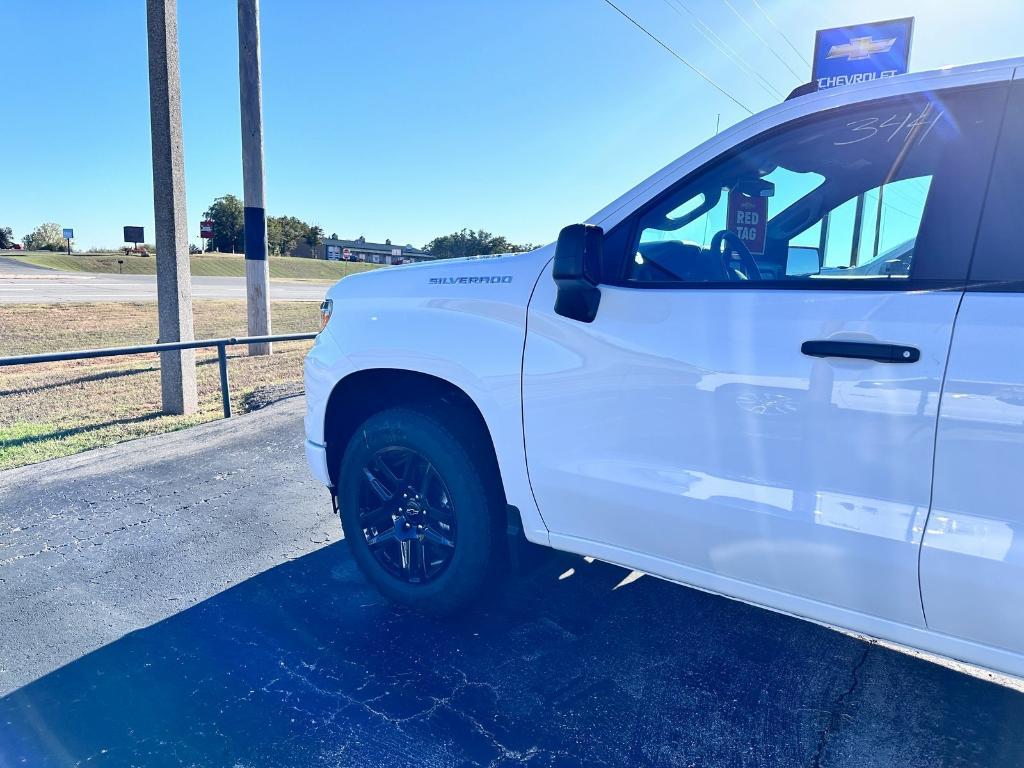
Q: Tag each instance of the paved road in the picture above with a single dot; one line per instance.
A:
(185, 600)
(26, 284)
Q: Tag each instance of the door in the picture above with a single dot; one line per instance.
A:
(686, 426)
(972, 562)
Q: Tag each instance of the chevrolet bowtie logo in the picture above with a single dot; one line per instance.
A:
(860, 48)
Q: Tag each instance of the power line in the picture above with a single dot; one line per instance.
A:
(717, 42)
(696, 70)
(779, 30)
(726, 50)
(766, 44)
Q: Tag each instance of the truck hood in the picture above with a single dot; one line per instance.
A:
(509, 273)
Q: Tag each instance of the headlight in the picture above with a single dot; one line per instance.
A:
(326, 308)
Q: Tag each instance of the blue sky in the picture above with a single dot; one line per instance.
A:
(406, 119)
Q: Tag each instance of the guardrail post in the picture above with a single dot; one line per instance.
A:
(225, 392)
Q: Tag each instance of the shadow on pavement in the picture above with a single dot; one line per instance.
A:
(305, 665)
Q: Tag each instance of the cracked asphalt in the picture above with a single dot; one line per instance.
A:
(186, 600)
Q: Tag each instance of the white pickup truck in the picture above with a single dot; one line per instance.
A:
(706, 382)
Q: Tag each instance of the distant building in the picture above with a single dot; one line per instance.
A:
(372, 253)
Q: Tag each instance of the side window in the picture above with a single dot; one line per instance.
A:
(873, 234)
(998, 257)
(844, 195)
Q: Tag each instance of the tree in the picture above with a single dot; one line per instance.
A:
(45, 237)
(6, 237)
(284, 234)
(470, 243)
(228, 216)
(314, 236)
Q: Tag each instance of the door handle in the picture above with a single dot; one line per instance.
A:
(862, 350)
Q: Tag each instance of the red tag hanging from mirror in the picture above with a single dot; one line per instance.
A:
(748, 220)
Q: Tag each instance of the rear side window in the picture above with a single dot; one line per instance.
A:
(999, 255)
(880, 192)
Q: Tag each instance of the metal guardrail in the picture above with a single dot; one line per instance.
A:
(220, 344)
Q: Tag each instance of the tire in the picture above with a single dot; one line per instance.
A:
(430, 492)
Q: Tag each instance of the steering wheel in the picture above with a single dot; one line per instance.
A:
(750, 270)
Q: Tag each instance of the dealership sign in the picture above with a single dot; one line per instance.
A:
(206, 229)
(861, 52)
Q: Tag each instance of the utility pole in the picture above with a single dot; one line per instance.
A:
(878, 219)
(173, 278)
(858, 226)
(257, 271)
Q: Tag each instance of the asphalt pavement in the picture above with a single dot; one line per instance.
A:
(27, 284)
(186, 599)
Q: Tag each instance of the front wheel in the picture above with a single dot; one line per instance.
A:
(421, 515)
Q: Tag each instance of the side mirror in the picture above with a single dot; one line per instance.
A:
(802, 260)
(577, 271)
(895, 267)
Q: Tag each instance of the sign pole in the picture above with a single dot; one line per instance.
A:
(173, 278)
(878, 219)
(257, 272)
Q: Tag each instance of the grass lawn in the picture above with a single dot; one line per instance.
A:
(57, 409)
(215, 265)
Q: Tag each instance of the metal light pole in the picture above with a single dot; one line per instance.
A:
(173, 278)
(257, 272)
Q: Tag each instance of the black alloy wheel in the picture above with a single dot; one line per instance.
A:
(407, 515)
(422, 507)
